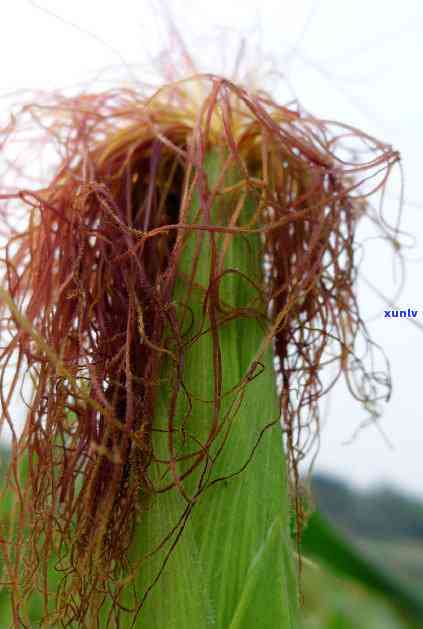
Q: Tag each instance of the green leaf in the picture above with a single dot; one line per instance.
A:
(258, 606)
(232, 520)
(322, 541)
(235, 548)
(179, 598)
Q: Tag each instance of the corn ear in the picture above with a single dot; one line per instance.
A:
(232, 566)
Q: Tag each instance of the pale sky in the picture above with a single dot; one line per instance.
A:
(354, 61)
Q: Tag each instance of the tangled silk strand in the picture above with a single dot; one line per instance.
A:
(88, 311)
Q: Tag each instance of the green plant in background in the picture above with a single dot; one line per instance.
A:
(177, 288)
(334, 603)
(386, 594)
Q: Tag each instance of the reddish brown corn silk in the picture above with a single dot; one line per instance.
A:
(89, 310)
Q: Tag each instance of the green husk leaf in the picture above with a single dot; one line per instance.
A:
(237, 532)
(257, 606)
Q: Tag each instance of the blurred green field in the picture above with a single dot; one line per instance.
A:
(334, 603)
(366, 550)
(404, 557)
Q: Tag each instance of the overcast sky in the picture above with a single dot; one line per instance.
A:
(355, 61)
